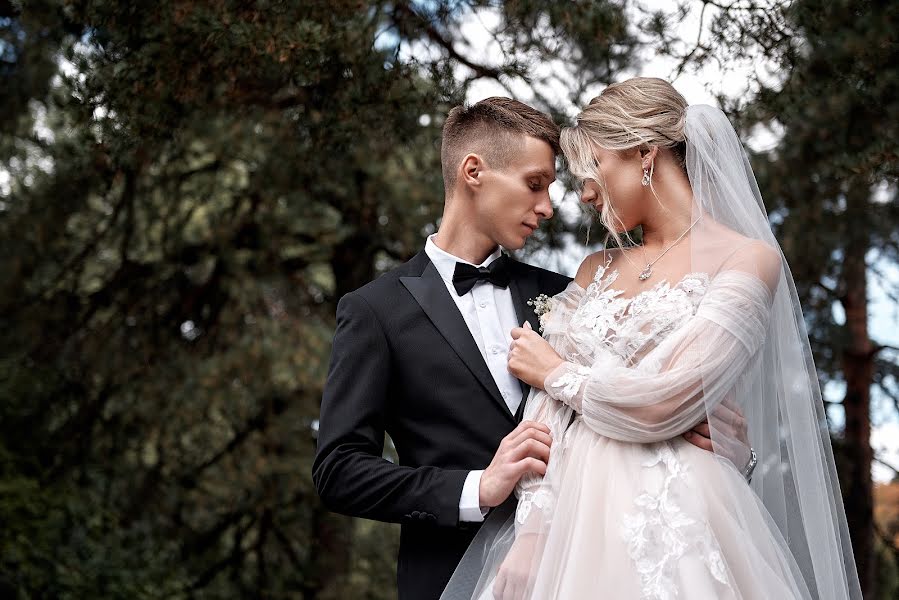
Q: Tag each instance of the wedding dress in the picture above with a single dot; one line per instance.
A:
(628, 509)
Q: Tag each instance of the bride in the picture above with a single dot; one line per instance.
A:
(645, 343)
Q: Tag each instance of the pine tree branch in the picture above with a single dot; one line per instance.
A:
(407, 14)
(697, 46)
(232, 560)
(883, 463)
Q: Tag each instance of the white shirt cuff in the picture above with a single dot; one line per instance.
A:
(470, 503)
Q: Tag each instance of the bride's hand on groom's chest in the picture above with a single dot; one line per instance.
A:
(531, 358)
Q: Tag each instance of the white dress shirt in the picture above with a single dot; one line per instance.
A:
(490, 315)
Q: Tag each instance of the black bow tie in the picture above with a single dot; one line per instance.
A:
(465, 276)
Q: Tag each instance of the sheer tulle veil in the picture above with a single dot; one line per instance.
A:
(795, 486)
(780, 396)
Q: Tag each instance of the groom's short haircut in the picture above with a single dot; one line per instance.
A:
(491, 128)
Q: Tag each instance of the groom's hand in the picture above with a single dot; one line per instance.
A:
(731, 434)
(524, 451)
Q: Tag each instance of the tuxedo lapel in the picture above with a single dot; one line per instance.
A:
(524, 287)
(430, 292)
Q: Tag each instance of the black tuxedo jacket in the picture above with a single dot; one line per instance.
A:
(403, 361)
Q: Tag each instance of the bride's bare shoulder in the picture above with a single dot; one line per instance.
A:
(754, 256)
(587, 271)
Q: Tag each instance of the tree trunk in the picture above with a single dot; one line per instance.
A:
(353, 263)
(858, 370)
(329, 560)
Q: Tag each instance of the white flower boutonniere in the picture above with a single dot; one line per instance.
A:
(542, 305)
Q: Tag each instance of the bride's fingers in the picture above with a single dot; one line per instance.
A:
(511, 590)
(499, 585)
(526, 334)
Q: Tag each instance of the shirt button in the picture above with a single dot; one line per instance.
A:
(495, 350)
(483, 305)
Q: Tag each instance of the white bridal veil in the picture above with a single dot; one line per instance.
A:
(796, 479)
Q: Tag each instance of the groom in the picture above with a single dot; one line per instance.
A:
(421, 354)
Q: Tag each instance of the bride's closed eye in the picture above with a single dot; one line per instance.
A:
(581, 183)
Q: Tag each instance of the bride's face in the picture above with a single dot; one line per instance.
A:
(621, 172)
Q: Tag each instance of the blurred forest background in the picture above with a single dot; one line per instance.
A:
(187, 189)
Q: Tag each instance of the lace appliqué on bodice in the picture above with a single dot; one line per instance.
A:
(660, 532)
(630, 327)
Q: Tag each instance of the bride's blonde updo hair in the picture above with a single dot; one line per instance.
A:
(637, 113)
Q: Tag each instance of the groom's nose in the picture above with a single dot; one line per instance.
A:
(545, 207)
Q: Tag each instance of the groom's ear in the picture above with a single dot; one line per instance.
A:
(472, 167)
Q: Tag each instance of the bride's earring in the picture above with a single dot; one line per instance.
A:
(645, 180)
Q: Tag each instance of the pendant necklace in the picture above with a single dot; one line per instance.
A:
(646, 273)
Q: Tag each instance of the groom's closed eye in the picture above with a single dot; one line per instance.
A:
(539, 178)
